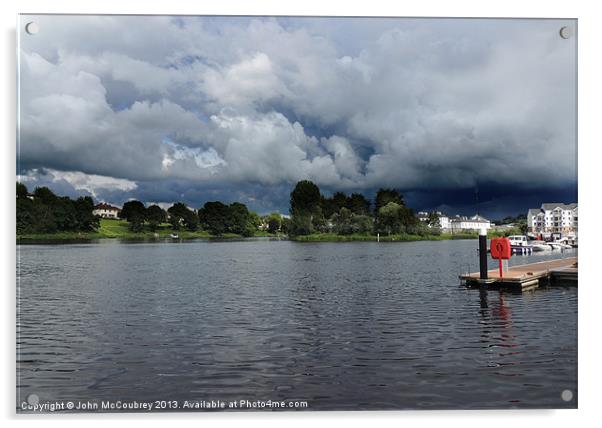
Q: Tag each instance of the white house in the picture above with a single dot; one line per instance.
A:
(106, 211)
(554, 218)
(444, 223)
(443, 219)
(462, 223)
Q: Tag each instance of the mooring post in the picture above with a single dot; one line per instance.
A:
(483, 253)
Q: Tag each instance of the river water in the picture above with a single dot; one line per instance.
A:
(341, 326)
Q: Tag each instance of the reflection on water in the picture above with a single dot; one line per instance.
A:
(340, 325)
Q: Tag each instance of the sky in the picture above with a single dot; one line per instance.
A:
(460, 115)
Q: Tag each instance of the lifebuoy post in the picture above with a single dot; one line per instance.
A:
(501, 250)
(483, 253)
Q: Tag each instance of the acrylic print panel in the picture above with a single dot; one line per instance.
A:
(294, 213)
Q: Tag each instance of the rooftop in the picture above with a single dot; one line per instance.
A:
(104, 206)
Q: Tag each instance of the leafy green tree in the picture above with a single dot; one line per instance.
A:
(239, 220)
(347, 223)
(305, 198)
(384, 196)
(133, 210)
(44, 195)
(255, 220)
(26, 219)
(135, 214)
(65, 217)
(44, 210)
(422, 229)
(342, 221)
(274, 221)
(181, 216)
(21, 190)
(305, 207)
(86, 220)
(214, 217)
(395, 218)
(285, 225)
(300, 224)
(318, 221)
(363, 224)
(155, 215)
(389, 218)
(191, 221)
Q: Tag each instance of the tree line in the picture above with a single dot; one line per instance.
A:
(214, 217)
(313, 212)
(44, 212)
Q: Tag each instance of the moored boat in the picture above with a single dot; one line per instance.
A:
(539, 246)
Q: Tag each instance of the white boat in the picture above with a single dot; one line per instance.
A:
(555, 245)
(566, 243)
(518, 240)
(173, 236)
(540, 246)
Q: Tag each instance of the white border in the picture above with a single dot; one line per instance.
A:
(589, 199)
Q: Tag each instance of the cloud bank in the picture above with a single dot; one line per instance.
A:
(195, 109)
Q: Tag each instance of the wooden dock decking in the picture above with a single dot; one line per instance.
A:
(527, 276)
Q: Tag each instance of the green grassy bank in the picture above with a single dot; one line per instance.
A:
(120, 229)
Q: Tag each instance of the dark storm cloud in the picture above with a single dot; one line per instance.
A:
(195, 108)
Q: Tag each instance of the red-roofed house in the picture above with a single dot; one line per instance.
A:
(106, 211)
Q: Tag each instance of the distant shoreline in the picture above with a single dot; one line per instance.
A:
(85, 237)
(118, 229)
(331, 237)
(74, 237)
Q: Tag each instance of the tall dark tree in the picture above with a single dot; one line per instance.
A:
(21, 190)
(329, 207)
(44, 195)
(181, 216)
(239, 219)
(133, 210)
(307, 214)
(305, 198)
(155, 215)
(44, 210)
(358, 204)
(135, 214)
(214, 217)
(333, 205)
(86, 220)
(25, 211)
(340, 200)
(191, 221)
(384, 196)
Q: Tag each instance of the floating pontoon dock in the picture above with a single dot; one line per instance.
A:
(527, 276)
